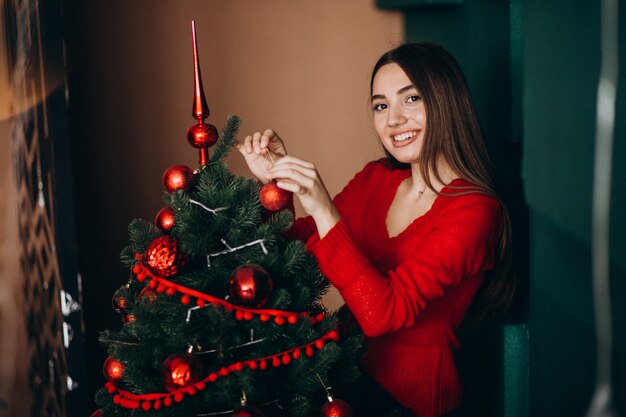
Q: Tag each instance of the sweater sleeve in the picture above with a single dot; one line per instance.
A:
(304, 227)
(460, 246)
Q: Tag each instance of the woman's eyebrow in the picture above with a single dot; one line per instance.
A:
(405, 89)
(400, 91)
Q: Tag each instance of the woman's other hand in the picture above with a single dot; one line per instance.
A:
(260, 151)
(301, 178)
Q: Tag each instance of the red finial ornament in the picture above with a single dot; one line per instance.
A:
(200, 135)
(200, 108)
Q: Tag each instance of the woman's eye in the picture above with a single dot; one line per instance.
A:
(379, 107)
(413, 99)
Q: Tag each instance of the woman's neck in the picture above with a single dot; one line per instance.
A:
(417, 183)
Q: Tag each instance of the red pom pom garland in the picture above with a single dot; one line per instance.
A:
(170, 288)
(130, 400)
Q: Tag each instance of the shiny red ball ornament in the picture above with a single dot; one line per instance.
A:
(202, 135)
(119, 301)
(274, 198)
(165, 219)
(128, 317)
(163, 257)
(180, 370)
(250, 285)
(336, 408)
(97, 413)
(113, 369)
(178, 177)
(248, 411)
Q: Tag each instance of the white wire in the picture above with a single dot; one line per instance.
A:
(601, 403)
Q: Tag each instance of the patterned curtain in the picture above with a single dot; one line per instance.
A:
(50, 350)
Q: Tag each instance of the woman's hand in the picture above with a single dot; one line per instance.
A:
(301, 178)
(260, 151)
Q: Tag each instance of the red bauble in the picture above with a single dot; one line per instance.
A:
(274, 198)
(180, 370)
(165, 219)
(202, 135)
(177, 177)
(113, 369)
(248, 411)
(97, 413)
(163, 257)
(336, 408)
(128, 317)
(148, 295)
(250, 285)
(119, 301)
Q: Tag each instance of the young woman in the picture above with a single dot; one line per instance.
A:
(413, 237)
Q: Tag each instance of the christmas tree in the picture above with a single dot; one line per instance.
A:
(222, 314)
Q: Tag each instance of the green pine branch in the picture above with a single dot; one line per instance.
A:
(226, 139)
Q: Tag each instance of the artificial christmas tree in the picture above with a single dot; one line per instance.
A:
(222, 314)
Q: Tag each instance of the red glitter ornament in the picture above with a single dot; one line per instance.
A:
(202, 135)
(113, 369)
(274, 198)
(177, 177)
(97, 413)
(336, 408)
(180, 370)
(165, 219)
(250, 285)
(163, 257)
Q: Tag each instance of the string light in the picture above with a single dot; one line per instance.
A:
(260, 242)
(210, 210)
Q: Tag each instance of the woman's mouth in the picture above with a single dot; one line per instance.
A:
(404, 138)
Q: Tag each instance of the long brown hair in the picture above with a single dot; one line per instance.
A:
(453, 133)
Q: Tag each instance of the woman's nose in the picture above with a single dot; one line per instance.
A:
(396, 117)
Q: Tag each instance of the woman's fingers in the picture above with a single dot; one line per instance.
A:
(292, 160)
(256, 142)
(294, 170)
(266, 138)
(305, 180)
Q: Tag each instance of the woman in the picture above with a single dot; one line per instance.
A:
(412, 238)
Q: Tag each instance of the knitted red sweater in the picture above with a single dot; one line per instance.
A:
(409, 293)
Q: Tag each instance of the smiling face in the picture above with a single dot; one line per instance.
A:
(399, 113)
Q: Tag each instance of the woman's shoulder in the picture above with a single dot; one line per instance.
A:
(462, 194)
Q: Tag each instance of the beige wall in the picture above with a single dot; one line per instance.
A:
(299, 67)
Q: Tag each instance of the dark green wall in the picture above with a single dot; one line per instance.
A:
(561, 70)
(533, 67)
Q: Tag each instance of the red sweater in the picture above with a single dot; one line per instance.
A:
(409, 293)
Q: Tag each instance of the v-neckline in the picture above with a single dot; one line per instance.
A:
(393, 191)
